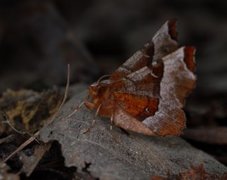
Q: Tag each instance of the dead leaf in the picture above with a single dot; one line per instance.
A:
(27, 110)
(194, 173)
(4, 174)
(30, 162)
(113, 154)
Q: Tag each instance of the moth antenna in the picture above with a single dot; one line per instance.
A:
(32, 138)
(78, 107)
(102, 77)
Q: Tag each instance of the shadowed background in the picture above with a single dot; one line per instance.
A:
(38, 38)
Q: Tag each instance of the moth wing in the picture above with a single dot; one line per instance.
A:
(163, 43)
(141, 82)
(137, 61)
(138, 94)
(165, 40)
(177, 82)
(124, 120)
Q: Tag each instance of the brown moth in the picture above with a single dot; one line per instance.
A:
(146, 94)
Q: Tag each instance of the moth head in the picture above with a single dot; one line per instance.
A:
(98, 91)
(94, 90)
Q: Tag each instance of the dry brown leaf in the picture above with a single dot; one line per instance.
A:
(4, 174)
(30, 162)
(27, 110)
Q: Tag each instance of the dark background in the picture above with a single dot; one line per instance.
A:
(39, 38)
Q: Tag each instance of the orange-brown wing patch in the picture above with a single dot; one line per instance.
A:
(136, 105)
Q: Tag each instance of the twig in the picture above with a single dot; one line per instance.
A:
(7, 121)
(7, 139)
(22, 146)
(12, 127)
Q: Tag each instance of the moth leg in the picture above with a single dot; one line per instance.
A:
(76, 109)
(90, 127)
(93, 120)
(96, 114)
(98, 109)
(129, 123)
(111, 121)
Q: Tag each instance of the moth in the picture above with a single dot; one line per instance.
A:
(146, 94)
